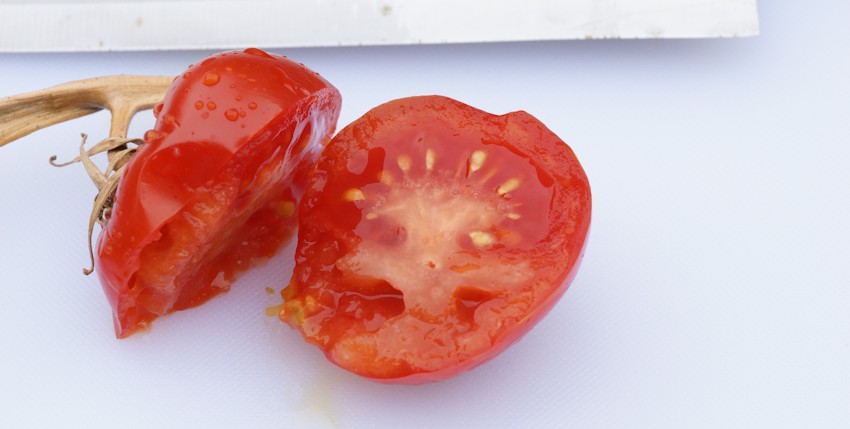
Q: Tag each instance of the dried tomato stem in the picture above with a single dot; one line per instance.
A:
(123, 96)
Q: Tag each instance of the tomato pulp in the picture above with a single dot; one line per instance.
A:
(432, 236)
(214, 188)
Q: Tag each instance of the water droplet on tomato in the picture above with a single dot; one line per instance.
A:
(232, 85)
(241, 125)
(502, 207)
(157, 109)
(211, 105)
(211, 78)
(242, 113)
(205, 115)
(455, 191)
(228, 69)
(199, 105)
(257, 52)
(238, 98)
(150, 135)
(231, 114)
(252, 105)
(208, 61)
(187, 75)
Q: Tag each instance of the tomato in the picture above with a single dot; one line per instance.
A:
(433, 235)
(214, 189)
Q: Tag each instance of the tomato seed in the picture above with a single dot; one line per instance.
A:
(429, 159)
(508, 186)
(482, 239)
(404, 163)
(476, 161)
(354, 194)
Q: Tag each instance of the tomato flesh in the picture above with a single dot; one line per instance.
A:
(432, 236)
(214, 189)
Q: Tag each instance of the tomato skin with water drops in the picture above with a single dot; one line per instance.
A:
(432, 236)
(214, 189)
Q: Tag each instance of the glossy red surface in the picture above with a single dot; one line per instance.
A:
(214, 188)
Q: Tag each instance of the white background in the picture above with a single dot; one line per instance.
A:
(715, 291)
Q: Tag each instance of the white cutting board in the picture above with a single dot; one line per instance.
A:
(105, 25)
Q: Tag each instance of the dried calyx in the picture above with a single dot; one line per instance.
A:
(118, 152)
(123, 96)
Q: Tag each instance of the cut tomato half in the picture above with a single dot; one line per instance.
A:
(432, 236)
(215, 187)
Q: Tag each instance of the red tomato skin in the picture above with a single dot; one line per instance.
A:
(562, 248)
(226, 119)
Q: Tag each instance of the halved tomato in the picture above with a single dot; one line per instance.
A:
(215, 187)
(432, 236)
